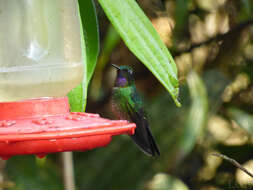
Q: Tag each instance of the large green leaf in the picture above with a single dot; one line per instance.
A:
(90, 29)
(142, 39)
(90, 49)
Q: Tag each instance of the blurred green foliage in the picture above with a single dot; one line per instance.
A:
(244, 119)
(28, 174)
(212, 44)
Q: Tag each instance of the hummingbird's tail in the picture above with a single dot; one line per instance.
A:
(145, 140)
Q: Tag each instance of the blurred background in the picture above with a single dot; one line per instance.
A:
(212, 44)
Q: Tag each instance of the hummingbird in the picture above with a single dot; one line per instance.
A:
(127, 104)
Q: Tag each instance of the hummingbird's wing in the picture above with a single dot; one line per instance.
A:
(142, 136)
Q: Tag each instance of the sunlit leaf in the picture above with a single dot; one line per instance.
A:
(142, 39)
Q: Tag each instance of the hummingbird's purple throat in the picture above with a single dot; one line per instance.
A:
(121, 81)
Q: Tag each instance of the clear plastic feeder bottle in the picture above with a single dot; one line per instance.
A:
(40, 48)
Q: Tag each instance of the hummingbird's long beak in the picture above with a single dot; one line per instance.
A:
(116, 66)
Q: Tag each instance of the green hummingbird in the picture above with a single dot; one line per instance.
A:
(127, 104)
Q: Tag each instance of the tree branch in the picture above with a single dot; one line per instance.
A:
(218, 37)
(234, 162)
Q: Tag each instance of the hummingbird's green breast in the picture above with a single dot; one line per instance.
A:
(122, 99)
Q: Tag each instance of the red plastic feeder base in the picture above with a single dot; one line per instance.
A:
(42, 126)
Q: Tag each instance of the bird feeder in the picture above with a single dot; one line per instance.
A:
(40, 62)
